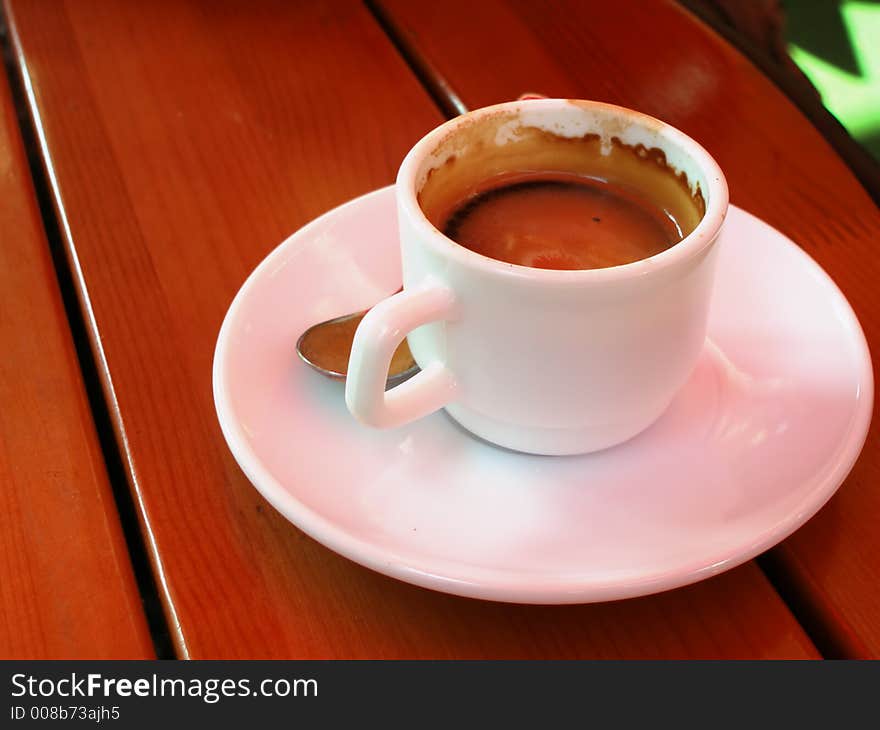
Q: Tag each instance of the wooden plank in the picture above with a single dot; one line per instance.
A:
(187, 140)
(777, 165)
(67, 590)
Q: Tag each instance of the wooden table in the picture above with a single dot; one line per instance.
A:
(66, 584)
(181, 141)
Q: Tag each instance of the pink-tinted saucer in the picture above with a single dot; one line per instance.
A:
(758, 440)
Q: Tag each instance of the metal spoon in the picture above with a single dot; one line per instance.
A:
(326, 347)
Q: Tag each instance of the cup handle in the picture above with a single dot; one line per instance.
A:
(380, 332)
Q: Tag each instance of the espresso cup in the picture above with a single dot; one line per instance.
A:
(540, 360)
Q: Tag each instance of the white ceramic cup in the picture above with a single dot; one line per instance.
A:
(537, 360)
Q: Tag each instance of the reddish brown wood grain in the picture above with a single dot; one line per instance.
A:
(655, 57)
(66, 585)
(187, 140)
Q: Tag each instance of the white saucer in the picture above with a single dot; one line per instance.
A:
(761, 436)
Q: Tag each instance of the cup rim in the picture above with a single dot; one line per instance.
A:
(706, 231)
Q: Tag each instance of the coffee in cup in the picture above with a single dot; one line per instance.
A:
(607, 204)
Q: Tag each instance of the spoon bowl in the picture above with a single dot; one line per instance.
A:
(326, 347)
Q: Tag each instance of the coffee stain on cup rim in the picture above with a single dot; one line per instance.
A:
(707, 185)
